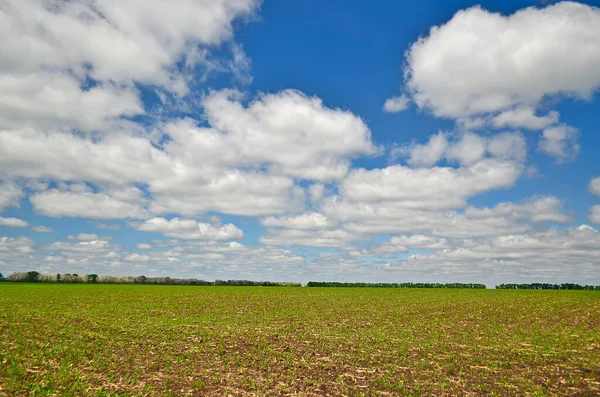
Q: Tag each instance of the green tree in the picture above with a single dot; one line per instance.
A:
(32, 276)
(92, 278)
(2, 277)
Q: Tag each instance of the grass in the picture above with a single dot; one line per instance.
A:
(131, 340)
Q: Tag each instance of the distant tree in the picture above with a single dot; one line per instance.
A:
(17, 276)
(540, 286)
(32, 276)
(394, 285)
(2, 277)
(92, 278)
(46, 278)
(141, 280)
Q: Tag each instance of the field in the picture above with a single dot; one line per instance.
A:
(126, 340)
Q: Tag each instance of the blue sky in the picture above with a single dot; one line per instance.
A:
(338, 140)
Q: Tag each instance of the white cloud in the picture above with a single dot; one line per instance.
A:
(42, 229)
(556, 256)
(114, 204)
(50, 101)
(88, 237)
(428, 188)
(245, 163)
(13, 222)
(144, 246)
(480, 62)
(525, 117)
(105, 226)
(137, 258)
(560, 142)
(404, 243)
(468, 149)
(316, 192)
(595, 214)
(291, 133)
(508, 146)
(306, 221)
(116, 158)
(177, 181)
(115, 40)
(294, 133)
(190, 229)
(594, 186)
(235, 192)
(74, 65)
(10, 194)
(396, 104)
(337, 238)
(426, 155)
(85, 250)
(16, 251)
(542, 209)
(392, 217)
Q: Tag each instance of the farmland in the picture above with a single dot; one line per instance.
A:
(130, 340)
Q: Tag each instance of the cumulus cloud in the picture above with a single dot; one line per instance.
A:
(54, 47)
(293, 132)
(428, 188)
(16, 251)
(316, 192)
(560, 142)
(105, 226)
(404, 243)
(525, 117)
(85, 250)
(557, 256)
(337, 238)
(190, 229)
(137, 258)
(116, 158)
(396, 104)
(307, 221)
(87, 237)
(144, 246)
(10, 194)
(595, 214)
(487, 69)
(508, 146)
(115, 204)
(391, 217)
(467, 149)
(480, 62)
(233, 192)
(42, 229)
(245, 163)
(541, 209)
(426, 155)
(13, 222)
(49, 101)
(594, 186)
(117, 40)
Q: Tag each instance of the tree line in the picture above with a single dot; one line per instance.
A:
(394, 285)
(564, 286)
(36, 277)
